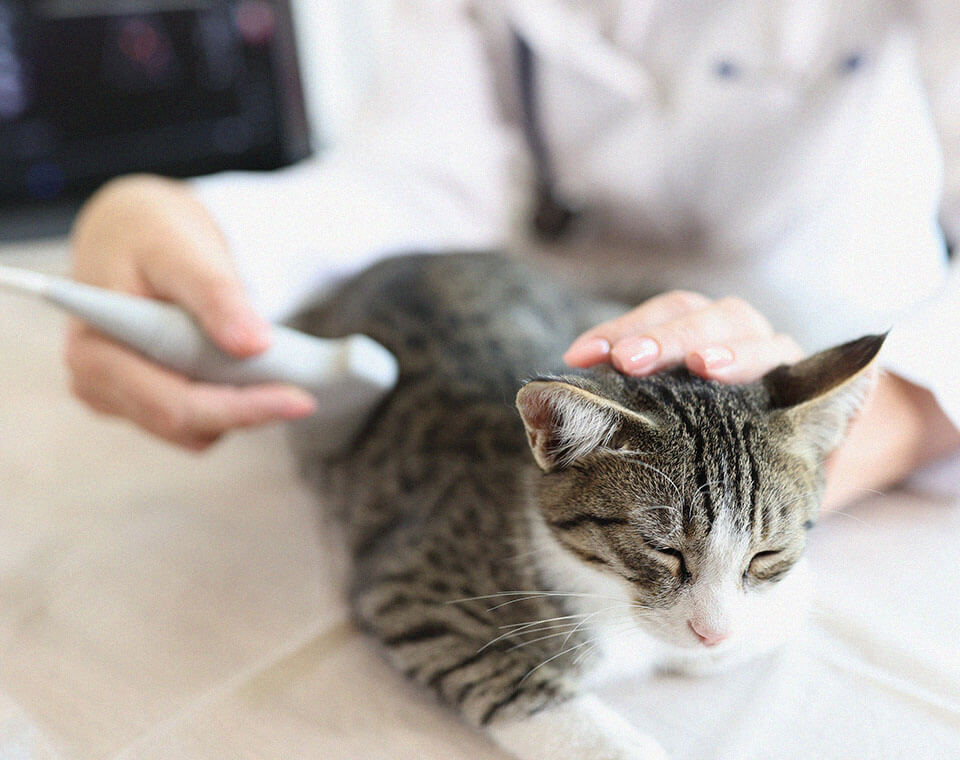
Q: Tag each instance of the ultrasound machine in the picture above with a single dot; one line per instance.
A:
(91, 89)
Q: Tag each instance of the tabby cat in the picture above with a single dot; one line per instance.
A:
(660, 522)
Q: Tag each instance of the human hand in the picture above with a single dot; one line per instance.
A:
(726, 340)
(150, 237)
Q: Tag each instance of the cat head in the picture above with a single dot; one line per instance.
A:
(691, 497)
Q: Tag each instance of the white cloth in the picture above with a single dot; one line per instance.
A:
(788, 148)
(157, 605)
(876, 672)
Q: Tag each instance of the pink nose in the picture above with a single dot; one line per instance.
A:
(707, 635)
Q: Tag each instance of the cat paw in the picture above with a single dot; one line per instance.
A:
(580, 729)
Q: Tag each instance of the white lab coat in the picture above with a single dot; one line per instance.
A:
(786, 152)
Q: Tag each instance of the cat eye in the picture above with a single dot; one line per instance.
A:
(762, 562)
(761, 556)
(676, 562)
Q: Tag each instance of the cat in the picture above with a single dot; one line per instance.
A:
(517, 535)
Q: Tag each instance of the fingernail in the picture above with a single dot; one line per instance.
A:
(640, 353)
(587, 351)
(297, 405)
(257, 329)
(712, 358)
(248, 331)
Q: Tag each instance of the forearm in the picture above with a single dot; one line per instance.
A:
(901, 429)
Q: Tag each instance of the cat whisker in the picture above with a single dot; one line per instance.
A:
(508, 634)
(848, 516)
(531, 627)
(579, 625)
(528, 595)
(802, 495)
(626, 627)
(531, 593)
(526, 631)
(572, 617)
(668, 507)
(581, 656)
(540, 596)
(630, 452)
(592, 615)
(706, 485)
(514, 601)
(660, 472)
(780, 504)
(551, 659)
(584, 654)
(634, 454)
(545, 620)
(539, 638)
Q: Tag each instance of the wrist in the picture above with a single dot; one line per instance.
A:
(900, 429)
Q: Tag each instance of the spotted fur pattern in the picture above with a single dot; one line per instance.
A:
(501, 580)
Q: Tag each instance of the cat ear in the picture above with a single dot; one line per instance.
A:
(818, 396)
(565, 422)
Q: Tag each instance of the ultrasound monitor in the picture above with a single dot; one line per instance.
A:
(91, 89)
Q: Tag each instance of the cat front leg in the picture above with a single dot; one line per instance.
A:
(527, 695)
(580, 728)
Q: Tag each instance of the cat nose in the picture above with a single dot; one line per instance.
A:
(708, 636)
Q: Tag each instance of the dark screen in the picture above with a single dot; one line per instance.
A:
(90, 90)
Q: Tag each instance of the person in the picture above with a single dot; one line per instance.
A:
(729, 167)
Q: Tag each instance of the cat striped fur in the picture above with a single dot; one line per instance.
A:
(649, 509)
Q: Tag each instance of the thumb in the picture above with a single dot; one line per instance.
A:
(214, 295)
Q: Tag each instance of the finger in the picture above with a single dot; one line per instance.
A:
(727, 321)
(593, 346)
(215, 409)
(95, 398)
(214, 295)
(117, 381)
(99, 399)
(745, 361)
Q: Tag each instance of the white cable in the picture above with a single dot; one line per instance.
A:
(23, 280)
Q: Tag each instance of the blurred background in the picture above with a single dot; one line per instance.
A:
(91, 89)
(157, 605)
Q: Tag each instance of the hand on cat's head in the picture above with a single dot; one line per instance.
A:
(812, 400)
(726, 340)
(697, 493)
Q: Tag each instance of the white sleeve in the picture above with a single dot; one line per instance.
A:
(938, 32)
(424, 168)
(923, 348)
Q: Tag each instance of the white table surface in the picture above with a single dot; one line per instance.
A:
(157, 604)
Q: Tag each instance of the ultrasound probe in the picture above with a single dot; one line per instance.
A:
(349, 376)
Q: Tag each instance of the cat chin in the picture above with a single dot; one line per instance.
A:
(655, 653)
(699, 664)
(645, 653)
